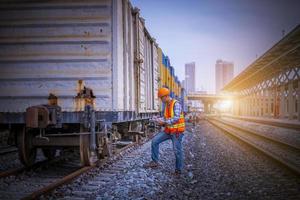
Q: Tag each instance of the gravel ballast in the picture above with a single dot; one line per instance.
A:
(217, 166)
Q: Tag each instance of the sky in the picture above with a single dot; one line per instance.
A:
(204, 31)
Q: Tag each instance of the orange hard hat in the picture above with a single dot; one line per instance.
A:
(163, 92)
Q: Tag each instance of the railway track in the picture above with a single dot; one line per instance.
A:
(44, 177)
(102, 179)
(286, 154)
(7, 149)
(24, 182)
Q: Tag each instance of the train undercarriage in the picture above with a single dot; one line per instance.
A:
(49, 129)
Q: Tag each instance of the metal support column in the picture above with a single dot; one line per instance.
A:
(241, 107)
(291, 103)
(259, 104)
(271, 102)
(268, 103)
(252, 112)
(248, 106)
(244, 107)
(255, 105)
(298, 101)
(264, 103)
(282, 102)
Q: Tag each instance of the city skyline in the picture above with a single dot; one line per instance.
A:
(204, 31)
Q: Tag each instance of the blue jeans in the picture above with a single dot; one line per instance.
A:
(177, 147)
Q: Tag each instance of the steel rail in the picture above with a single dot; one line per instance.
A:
(68, 178)
(62, 181)
(258, 134)
(230, 130)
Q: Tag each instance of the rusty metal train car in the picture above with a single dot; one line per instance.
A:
(75, 74)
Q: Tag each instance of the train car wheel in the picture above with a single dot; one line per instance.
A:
(27, 152)
(49, 153)
(86, 157)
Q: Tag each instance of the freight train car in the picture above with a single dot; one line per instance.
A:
(161, 67)
(78, 73)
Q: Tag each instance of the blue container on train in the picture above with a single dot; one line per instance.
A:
(172, 71)
(172, 95)
(165, 60)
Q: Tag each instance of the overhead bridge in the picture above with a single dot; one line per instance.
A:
(209, 100)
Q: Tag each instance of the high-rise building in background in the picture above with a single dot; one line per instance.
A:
(190, 72)
(224, 74)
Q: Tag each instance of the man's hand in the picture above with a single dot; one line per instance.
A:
(160, 122)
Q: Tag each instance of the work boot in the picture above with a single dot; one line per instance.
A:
(177, 173)
(151, 164)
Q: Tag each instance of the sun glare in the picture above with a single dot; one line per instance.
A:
(225, 105)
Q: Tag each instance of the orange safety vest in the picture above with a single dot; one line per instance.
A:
(177, 127)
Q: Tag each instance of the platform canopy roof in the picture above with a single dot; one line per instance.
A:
(283, 55)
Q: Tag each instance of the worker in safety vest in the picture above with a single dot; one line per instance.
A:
(174, 126)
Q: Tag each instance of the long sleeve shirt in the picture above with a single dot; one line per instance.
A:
(177, 111)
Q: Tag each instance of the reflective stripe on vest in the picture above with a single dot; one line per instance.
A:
(177, 127)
